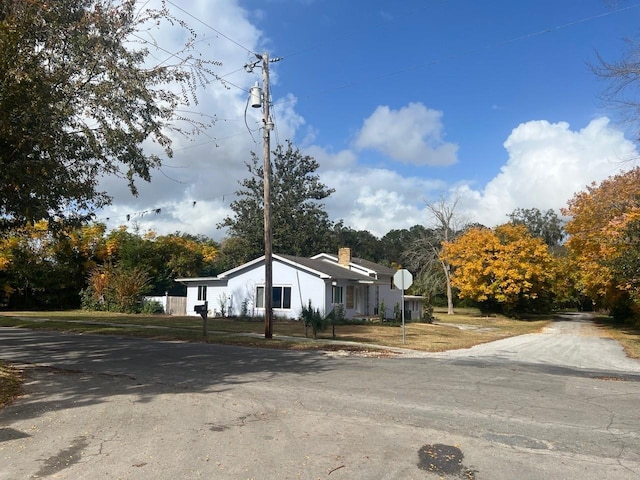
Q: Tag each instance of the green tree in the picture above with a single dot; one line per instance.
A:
(547, 225)
(163, 257)
(40, 268)
(80, 96)
(300, 224)
(396, 243)
(179, 255)
(363, 244)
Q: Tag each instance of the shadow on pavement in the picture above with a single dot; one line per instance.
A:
(67, 371)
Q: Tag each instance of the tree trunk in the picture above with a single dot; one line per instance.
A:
(447, 276)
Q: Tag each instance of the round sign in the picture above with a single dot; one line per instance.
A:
(403, 279)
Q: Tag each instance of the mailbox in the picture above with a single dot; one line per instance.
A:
(200, 309)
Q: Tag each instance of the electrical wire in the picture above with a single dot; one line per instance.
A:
(466, 53)
(209, 26)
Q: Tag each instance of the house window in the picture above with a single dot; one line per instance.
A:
(202, 292)
(350, 296)
(281, 297)
(336, 295)
(260, 297)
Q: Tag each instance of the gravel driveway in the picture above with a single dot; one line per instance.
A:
(571, 343)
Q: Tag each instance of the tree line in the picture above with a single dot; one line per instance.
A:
(532, 263)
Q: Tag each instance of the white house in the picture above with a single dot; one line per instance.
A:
(360, 286)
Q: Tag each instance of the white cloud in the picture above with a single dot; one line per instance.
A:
(373, 199)
(413, 135)
(206, 168)
(548, 163)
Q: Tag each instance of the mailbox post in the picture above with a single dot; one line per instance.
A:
(203, 311)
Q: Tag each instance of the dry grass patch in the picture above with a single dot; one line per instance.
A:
(462, 330)
(627, 335)
(10, 384)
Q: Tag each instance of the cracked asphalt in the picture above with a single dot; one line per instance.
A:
(562, 404)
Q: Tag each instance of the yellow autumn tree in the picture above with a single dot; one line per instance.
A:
(45, 267)
(503, 269)
(604, 239)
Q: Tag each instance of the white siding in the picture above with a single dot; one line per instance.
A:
(305, 285)
(242, 287)
(390, 296)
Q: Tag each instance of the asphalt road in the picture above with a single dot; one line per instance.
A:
(558, 405)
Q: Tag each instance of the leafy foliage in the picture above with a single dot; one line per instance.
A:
(118, 289)
(300, 224)
(41, 268)
(312, 317)
(363, 244)
(605, 238)
(503, 268)
(547, 225)
(80, 97)
(44, 269)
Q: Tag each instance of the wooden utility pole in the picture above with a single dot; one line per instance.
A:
(268, 252)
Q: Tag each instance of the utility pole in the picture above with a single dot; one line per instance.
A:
(266, 153)
(263, 99)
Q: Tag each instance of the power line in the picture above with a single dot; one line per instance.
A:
(466, 53)
(209, 26)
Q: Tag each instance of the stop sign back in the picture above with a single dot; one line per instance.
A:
(403, 279)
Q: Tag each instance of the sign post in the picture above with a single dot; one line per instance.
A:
(402, 279)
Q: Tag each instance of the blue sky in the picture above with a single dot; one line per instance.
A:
(402, 103)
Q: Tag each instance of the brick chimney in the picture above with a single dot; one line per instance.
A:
(344, 257)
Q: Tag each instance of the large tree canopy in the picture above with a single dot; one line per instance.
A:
(300, 224)
(505, 267)
(78, 98)
(604, 238)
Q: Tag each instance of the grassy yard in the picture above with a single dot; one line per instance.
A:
(463, 330)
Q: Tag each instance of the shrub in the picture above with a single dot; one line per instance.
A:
(314, 319)
(427, 313)
(336, 317)
(152, 307)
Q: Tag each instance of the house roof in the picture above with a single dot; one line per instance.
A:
(359, 262)
(331, 270)
(317, 266)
